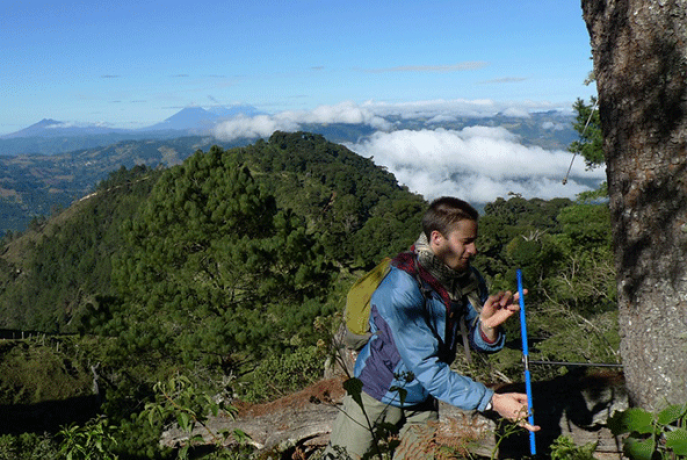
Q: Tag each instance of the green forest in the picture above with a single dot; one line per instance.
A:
(227, 273)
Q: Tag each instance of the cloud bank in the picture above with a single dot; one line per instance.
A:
(265, 125)
(478, 164)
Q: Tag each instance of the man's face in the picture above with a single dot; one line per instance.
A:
(458, 247)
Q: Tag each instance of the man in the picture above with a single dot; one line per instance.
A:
(414, 320)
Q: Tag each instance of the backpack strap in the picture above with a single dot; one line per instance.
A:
(471, 295)
(466, 341)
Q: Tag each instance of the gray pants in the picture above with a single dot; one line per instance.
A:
(351, 432)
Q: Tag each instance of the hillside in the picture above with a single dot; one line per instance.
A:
(338, 193)
(230, 269)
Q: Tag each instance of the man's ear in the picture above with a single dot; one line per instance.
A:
(436, 238)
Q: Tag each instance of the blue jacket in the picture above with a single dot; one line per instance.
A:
(413, 344)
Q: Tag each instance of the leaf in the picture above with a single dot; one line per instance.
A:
(241, 436)
(670, 414)
(231, 410)
(183, 419)
(402, 393)
(641, 423)
(631, 420)
(677, 441)
(638, 450)
(151, 417)
(354, 387)
(197, 439)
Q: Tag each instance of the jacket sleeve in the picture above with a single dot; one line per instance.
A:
(401, 305)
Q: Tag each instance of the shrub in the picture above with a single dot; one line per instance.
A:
(279, 375)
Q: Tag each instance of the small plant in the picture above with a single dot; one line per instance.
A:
(651, 436)
(506, 428)
(90, 442)
(179, 400)
(28, 446)
(281, 374)
(564, 448)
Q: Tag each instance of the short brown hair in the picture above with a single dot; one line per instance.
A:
(443, 213)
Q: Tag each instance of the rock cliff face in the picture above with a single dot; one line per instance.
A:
(575, 405)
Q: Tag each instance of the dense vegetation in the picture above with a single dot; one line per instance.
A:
(232, 266)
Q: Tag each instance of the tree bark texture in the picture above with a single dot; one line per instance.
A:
(639, 49)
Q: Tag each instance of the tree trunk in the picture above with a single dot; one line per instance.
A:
(640, 64)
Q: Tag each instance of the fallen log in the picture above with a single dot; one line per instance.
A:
(575, 405)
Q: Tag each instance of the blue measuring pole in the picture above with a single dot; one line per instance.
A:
(525, 359)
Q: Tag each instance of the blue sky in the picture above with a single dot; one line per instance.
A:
(134, 63)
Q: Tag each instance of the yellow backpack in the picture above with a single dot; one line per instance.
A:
(357, 312)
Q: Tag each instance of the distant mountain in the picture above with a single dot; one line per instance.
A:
(199, 120)
(53, 128)
(190, 118)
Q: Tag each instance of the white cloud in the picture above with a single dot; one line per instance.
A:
(521, 112)
(73, 124)
(442, 119)
(345, 112)
(551, 126)
(257, 126)
(478, 164)
(265, 125)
